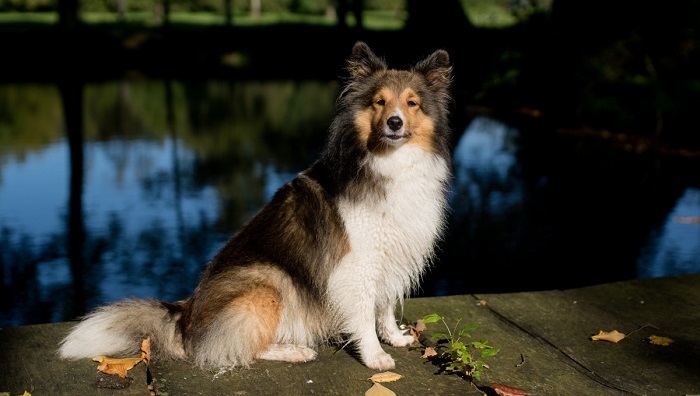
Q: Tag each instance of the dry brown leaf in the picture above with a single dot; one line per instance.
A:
(504, 390)
(121, 366)
(386, 376)
(612, 336)
(146, 350)
(116, 366)
(417, 329)
(379, 390)
(429, 352)
(412, 331)
(658, 340)
(420, 326)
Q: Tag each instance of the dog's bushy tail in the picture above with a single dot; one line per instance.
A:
(117, 330)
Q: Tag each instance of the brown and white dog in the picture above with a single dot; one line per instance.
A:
(334, 251)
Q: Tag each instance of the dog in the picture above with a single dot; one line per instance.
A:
(331, 256)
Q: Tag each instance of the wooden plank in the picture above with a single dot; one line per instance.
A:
(28, 361)
(566, 320)
(544, 371)
(549, 329)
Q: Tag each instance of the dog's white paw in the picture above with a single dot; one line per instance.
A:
(288, 353)
(400, 340)
(379, 360)
(304, 354)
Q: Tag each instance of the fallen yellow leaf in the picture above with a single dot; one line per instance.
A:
(429, 352)
(420, 325)
(121, 366)
(379, 390)
(657, 340)
(612, 336)
(505, 390)
(146, 350)
(416, 330)
(116, 366)
(386, 376)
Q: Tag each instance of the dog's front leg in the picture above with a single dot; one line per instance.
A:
(361, 326)
(353, 299)
(388, 328)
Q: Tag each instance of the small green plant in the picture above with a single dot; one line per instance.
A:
(457, 356)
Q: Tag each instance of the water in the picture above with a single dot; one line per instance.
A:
(170, 169)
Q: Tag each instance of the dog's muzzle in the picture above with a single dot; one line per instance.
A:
(394, 130)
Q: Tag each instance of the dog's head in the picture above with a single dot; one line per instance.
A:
(396, 107)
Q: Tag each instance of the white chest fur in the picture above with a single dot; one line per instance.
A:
(393, 237)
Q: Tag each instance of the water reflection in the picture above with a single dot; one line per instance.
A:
(675, 247)
(164, 171)
(486, 180)
(535, 212)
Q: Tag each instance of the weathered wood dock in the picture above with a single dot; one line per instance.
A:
(544, 339)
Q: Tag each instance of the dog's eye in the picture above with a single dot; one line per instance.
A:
(412, 103)
(380, 102)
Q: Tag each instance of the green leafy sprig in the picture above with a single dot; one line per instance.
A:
(458, 356)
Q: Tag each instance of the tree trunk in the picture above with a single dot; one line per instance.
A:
(255, 9)
(447, 18)
(228, 7)
(68, 14)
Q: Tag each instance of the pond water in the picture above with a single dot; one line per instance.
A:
(127, 188)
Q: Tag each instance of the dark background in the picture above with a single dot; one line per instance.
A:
(624, 66)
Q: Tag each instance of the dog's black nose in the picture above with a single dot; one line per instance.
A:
(395, 123)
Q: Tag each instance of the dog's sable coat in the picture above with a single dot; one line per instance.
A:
(332, 254)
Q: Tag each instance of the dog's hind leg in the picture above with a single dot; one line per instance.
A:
(243, 330)
(288, 353)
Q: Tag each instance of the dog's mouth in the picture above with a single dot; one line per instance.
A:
(395, 137)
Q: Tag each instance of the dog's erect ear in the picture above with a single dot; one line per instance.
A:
(364, 62)
(437, 69)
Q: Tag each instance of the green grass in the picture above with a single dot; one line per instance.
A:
(375, 20)
(488, 15)
(482, 13)
(47, 18)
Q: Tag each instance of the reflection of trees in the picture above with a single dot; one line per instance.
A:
(674, 245)
(125, 110)
(177, 174)
(30, 118)
(220, 134)
(244, 125)
(489, 212)
(37, 286)
(231, 126)
(22, 296)
(569, 215)
(72, 99)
